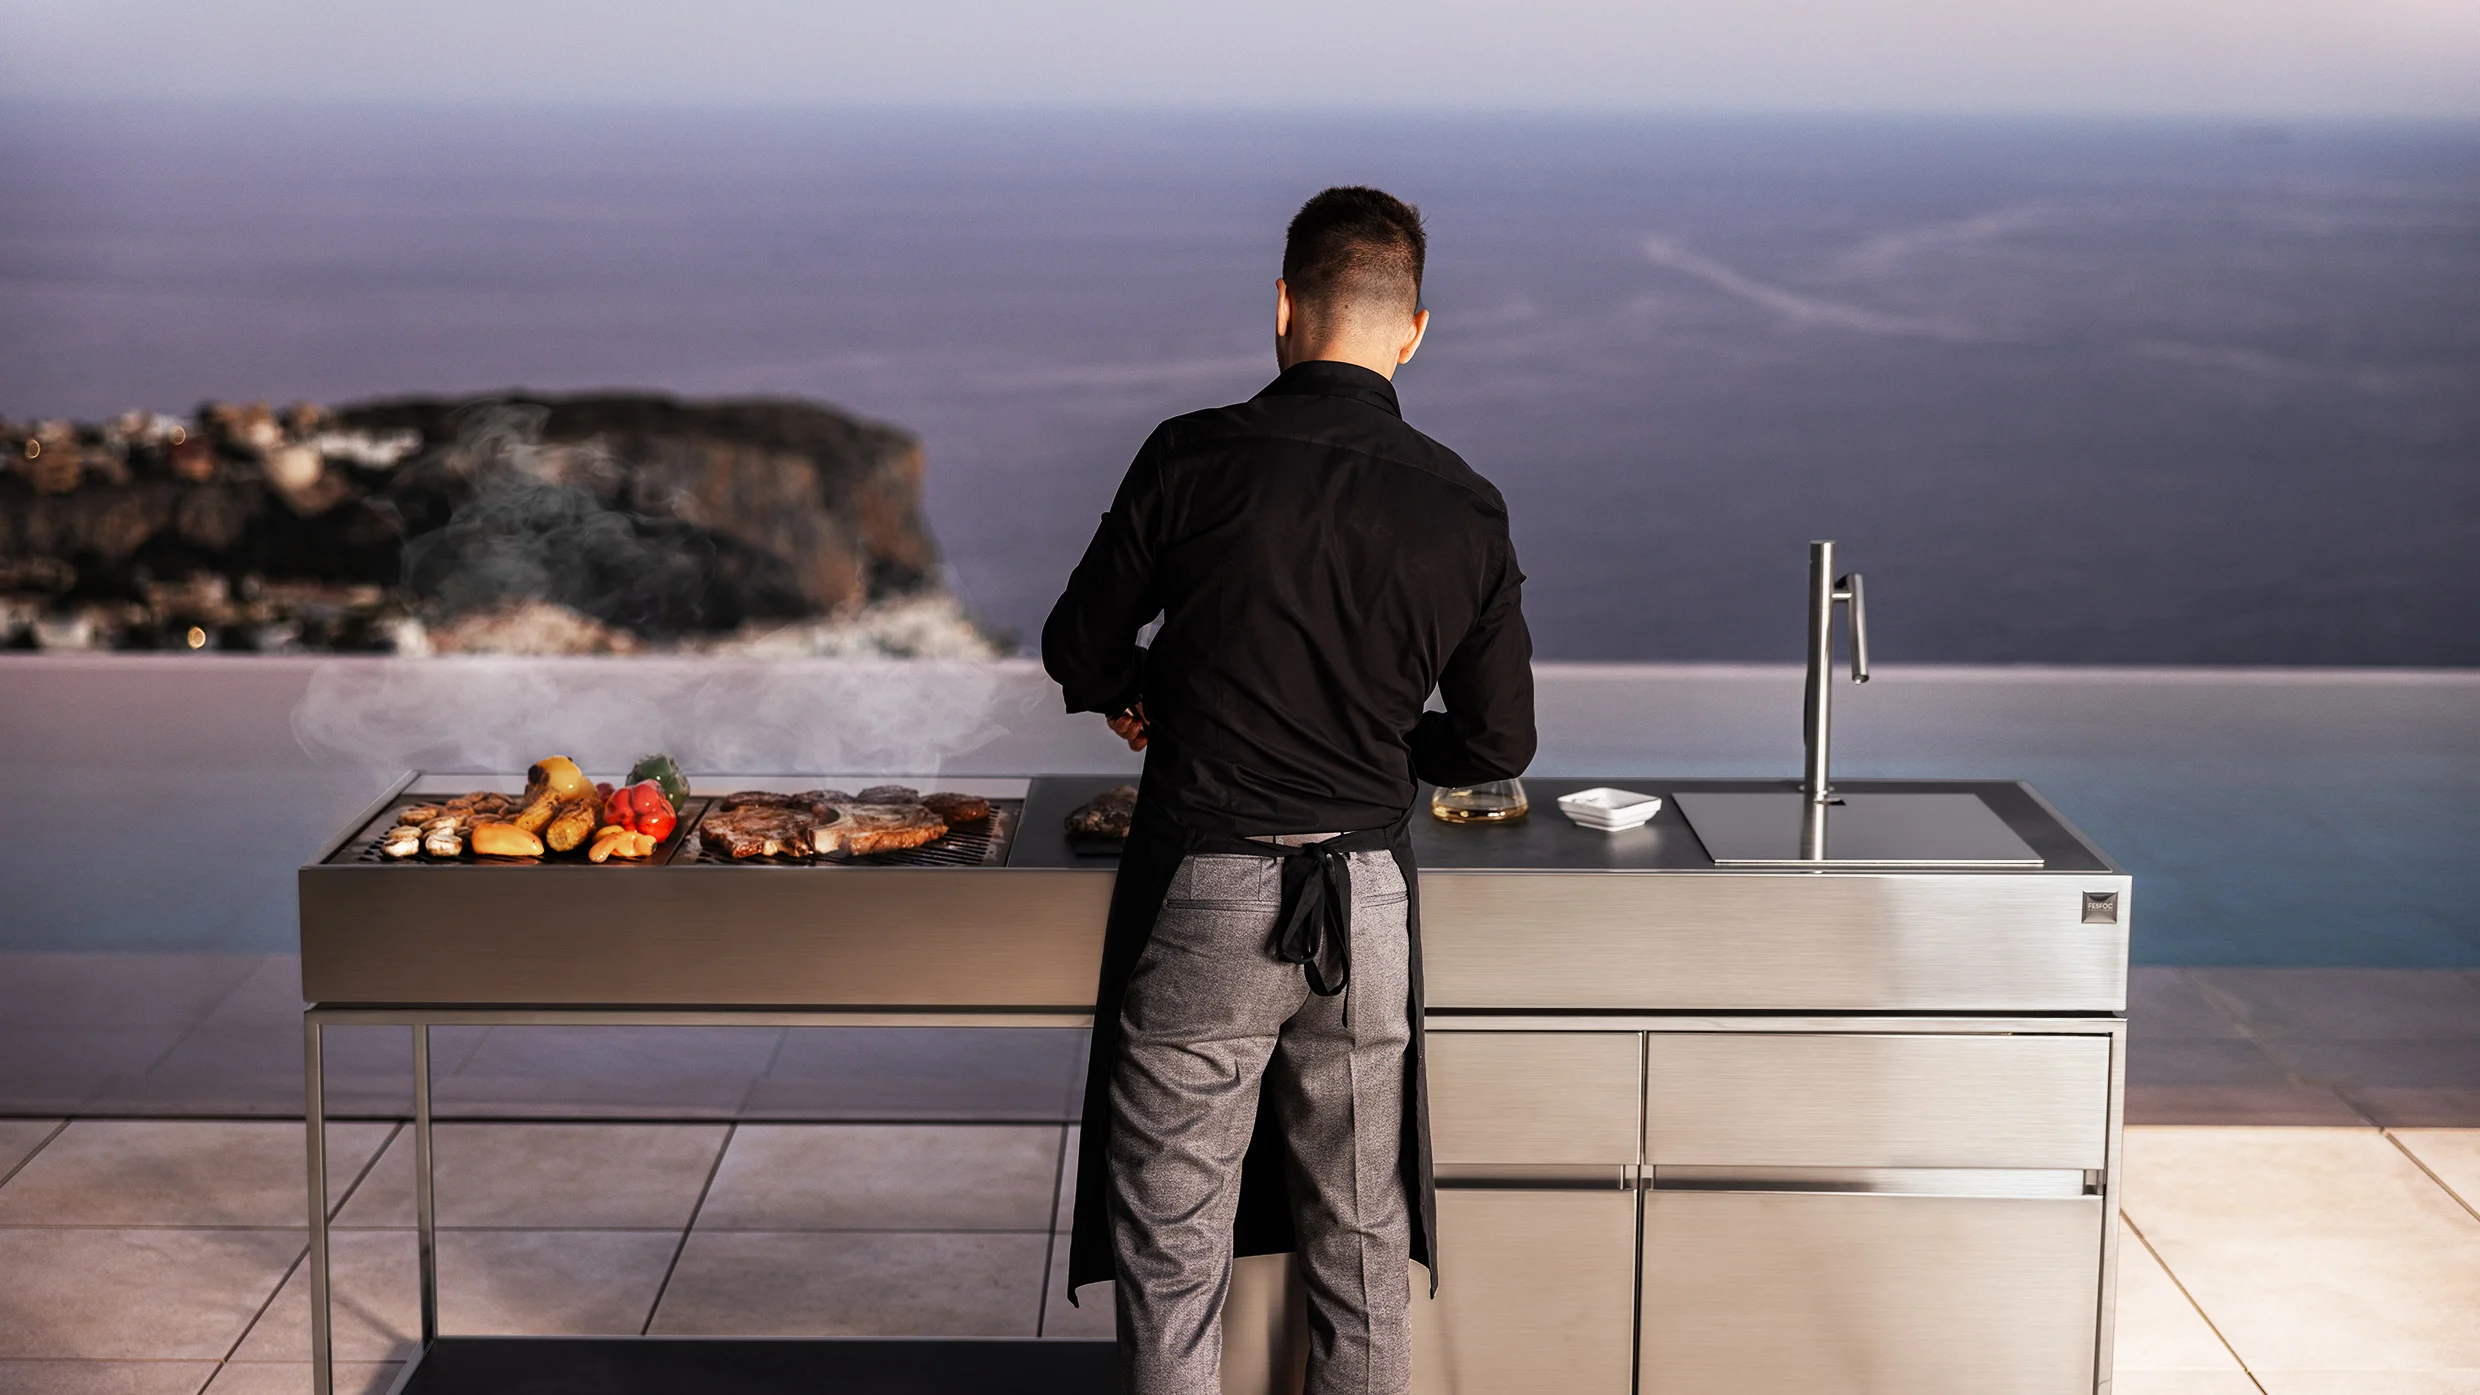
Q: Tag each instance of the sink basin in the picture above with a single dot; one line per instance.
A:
(1862, 830)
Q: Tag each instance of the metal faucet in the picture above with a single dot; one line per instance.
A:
(1823, 591)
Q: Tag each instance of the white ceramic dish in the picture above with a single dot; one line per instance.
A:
(1610, 810)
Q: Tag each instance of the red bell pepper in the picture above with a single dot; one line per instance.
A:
(655, 816)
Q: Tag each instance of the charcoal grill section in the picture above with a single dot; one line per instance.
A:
(983, 844)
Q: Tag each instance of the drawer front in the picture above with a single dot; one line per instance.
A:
(1825, 1100)
(1755, 1293)
(1534, 1098)
(1534, 1295)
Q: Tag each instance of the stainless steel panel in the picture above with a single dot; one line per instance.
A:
(1820, 1100)
(1826, 1294)
(1861, 830)
(1534, 1295)
(708, 936)
(1772, 941)
(1533, 1097)
(1879, 1181)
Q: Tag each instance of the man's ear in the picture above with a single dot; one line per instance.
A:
(1420, 331)
(1282, 308)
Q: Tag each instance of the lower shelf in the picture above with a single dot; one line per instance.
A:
(760, 1366)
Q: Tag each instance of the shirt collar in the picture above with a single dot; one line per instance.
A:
(1320, 377)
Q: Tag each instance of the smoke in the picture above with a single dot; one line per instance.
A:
(861, 717)
(543, 520)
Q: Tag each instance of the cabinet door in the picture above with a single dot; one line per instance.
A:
(1534, 1294)
(1859, 1293)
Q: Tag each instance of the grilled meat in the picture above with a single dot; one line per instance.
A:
(815, 803)
(878, 828)
(957, 808)
(758, 829)
(1106, 816)
(887, 794)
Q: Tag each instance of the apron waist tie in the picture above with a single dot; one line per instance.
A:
(1314, 926)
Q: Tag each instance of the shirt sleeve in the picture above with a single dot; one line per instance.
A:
(1089, 644)
(1487, 731)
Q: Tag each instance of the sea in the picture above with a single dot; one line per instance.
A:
(2111, 392)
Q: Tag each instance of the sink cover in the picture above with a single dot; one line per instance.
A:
(1862, 830)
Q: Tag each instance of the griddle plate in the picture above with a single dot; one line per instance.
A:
(1862, 830)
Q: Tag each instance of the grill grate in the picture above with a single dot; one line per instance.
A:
(975, 845)
(365, 848)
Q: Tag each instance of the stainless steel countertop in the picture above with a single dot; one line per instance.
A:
(1544, 841)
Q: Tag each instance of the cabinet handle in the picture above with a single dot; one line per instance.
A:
(1881, 1181)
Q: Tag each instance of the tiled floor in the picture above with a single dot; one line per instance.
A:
(143, 1256)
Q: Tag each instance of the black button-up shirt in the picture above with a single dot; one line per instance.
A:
(1320, 568)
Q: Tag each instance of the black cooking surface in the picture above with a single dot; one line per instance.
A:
(983, 844)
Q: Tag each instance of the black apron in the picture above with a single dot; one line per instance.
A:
(1156, 846)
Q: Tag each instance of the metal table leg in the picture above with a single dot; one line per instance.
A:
(424, 1221)
(314, 1109)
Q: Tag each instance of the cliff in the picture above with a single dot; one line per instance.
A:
(526, 522)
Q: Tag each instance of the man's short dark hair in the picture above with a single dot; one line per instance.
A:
(1353, 247)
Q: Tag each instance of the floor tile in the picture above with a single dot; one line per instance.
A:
(2176, 1062)
(128, 1172)
(853, 1283)
(19, 1138)
(257, 1070)
(293, 1378)
(1063, 1216)
(2232, 1382)
(2159, 1329)
(2338, 1305)
(1016, 1073)
(2163, 1005)
(1090, 1316)
(885, 1177)
(135, 1294)
(527, 1282)
(2427, 1062)
(691, 1072)
(2272, 1184)
(2348, 1004)
(2416, 1107)
(104, 1377)
(2452, 1154)
(2371, 1382)
(60, 1070)
(547, 1176)
(2289, 1105)
(118, 990)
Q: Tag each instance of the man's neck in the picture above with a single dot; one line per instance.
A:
(1380, 362)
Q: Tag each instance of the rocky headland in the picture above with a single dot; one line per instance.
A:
(523, 523)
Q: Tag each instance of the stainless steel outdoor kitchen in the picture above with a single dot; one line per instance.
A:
(1799, 1087)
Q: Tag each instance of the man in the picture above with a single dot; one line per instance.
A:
(1319, 568)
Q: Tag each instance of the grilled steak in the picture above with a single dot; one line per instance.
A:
(1106, 816)
(817, 804)
(878, 828)
(887, 794)
(957, 808)
(758, 830)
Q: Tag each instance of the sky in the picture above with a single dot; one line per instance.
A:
(2275, 59)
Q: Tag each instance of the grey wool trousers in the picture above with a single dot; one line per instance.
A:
(1210, 1014)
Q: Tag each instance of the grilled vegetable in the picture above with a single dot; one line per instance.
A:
(538, 812)
(404, 840)
(608, 842)
(444, 836)
(505, 840)
(665, 772)
(571, 825)
(653, 811)
(560, 776)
